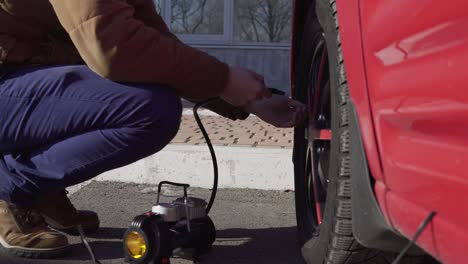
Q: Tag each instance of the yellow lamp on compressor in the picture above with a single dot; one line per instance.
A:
(143, 241)
(136, 245)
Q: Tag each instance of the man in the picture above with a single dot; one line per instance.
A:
(92, 85)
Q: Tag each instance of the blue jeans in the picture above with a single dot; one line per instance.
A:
(63, 125)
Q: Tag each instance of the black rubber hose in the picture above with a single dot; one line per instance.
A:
(210, 146)
(212, 152)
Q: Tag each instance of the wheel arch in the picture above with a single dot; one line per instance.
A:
(371, 227)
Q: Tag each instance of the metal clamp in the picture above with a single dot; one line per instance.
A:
(276, 91)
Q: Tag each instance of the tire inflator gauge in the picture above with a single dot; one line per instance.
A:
(178, 229)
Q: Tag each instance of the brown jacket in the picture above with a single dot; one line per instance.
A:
(122, 40)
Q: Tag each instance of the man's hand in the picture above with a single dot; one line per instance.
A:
(279, 111)
(244, 87)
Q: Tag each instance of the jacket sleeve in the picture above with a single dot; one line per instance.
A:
(117, 45)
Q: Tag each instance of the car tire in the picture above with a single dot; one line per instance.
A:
(325, 234)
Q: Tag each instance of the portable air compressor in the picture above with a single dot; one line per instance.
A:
(178, 229)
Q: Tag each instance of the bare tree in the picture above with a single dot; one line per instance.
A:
(263, 20)
(196, 16)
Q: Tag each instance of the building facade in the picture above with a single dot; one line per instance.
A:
(254, 34)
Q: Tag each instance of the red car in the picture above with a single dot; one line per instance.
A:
(385, 148)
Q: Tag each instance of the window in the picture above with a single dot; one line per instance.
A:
(204, 17)
(263, 21)
(157, 4)
(229, 21)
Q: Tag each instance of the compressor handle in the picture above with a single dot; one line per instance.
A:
(185, 186)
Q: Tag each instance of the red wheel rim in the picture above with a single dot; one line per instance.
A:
(318, 131)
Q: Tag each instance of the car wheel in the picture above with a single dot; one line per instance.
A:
(321, 150)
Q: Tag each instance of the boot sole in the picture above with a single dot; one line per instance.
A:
(32, 253)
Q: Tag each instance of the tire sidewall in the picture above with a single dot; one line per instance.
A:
(315, 241)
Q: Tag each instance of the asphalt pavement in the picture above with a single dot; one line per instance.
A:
(253, 226)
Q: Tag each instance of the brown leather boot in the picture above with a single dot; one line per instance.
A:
(60, 214)
(24, 233)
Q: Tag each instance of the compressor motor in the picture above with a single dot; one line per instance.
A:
(178, 229)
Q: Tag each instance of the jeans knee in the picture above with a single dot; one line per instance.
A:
(168, 121)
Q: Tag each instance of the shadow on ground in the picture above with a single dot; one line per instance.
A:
(270, 245)
(247, 246)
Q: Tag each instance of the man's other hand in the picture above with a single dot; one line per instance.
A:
(279, 111)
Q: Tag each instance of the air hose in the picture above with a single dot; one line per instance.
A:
(210, 146)
(212, 152)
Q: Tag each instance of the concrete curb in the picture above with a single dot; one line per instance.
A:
(239, 167)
